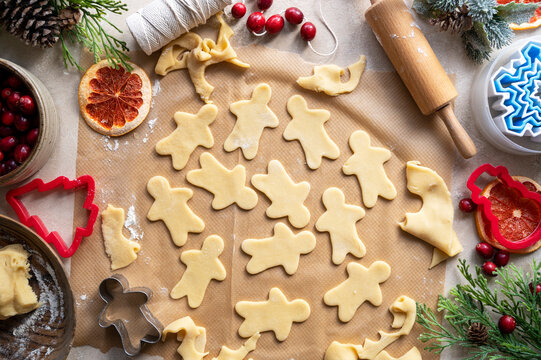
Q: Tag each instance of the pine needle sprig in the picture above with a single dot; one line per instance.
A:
(90, 31)
(478, 301)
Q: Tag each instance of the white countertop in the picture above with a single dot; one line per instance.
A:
(354, 35)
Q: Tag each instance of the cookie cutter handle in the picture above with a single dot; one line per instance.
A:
(485, 204)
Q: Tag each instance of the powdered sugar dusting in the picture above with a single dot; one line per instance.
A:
(133, 226)
(151, 124)
(110, 145)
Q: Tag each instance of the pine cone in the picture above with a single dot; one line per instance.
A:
(478, 333)
(457, 21)
(36, 21)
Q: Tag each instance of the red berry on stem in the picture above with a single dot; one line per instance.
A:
(13, 100)
(489, 267)
(484, 250)
(501, 258)
(256, 22)
(14, 82)
(5, 93)
(537, 288)
(32, 136)
(507, 324)
(264, 4)
(8, 118)
(308, 31)
(274, 24)
(294, 16)
(466, 205)
(238, 10)
(22, 123)
(27, 105)
(21, 152)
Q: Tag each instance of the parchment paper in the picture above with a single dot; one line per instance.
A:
(121, 167)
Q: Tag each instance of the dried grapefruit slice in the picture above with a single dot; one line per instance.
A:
(114, 101)
(535, 20)
(517, 217)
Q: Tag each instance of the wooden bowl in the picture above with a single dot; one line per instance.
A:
(47, 332)
(49, 126)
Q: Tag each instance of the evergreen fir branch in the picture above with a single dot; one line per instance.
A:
(447, 5)
(498, 32)
(482, 10)
(476, 47)
(517, 13)
(479, 302)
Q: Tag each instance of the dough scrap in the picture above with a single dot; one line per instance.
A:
(284, 249)
(361, 285)
(286, 196)
(193, 338)
(326, 78)
(404, 312)
(201, 267)
(412, 354)
(339, 221)
(434, 222)
(253, 116)
(171, 206)
(226, 185)
(192, 131)
(367, 164)
(239, 354)
(16, 294)
(192, 52)
(306, 126)
(277, 314)
(120, 250)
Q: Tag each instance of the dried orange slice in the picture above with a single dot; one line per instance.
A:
(114, 101)
(517, 217)
(535, 21)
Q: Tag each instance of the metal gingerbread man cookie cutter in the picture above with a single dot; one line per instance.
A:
(107, 292)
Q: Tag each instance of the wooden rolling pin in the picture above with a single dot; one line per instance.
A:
(417, 65)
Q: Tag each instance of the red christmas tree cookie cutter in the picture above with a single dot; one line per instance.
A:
(484, 204)
(35, 221)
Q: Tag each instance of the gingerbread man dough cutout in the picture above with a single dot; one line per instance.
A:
(284, 249)
(121, 251)
(277, 314)
(171, 206)
(253, 116)
(306, 126)
(201, 267)
(287, 197)
(362, 285)
(193, 338)
(192, 131)
(367, 164)
(226, 185)
(339, 221)
(239, 354)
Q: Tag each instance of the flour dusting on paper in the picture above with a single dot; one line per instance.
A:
(133, 226)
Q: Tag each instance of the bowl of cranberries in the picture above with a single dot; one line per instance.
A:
(28, 123)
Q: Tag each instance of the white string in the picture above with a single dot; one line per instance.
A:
(162, 21)
(330, 30)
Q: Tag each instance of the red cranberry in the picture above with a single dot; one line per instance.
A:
(27, 105)
(11, 165)
(238, 10)
(489, 267)
(8, 118)
(308, 31)
(14, 82)
(274, 24)
(264, 4)
(13, 100)
(5, 93)
(484, 250)
(22, 123)
(537, 288)
(3, 168)
(501, 258)
(1, 156)
(294, 15)
(21, 153)
(256, 22)
(507, 324)
(6, 131)
(32, 136)
(8, 143)
(466, 205)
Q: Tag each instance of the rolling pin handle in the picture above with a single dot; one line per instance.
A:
(462, 140)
